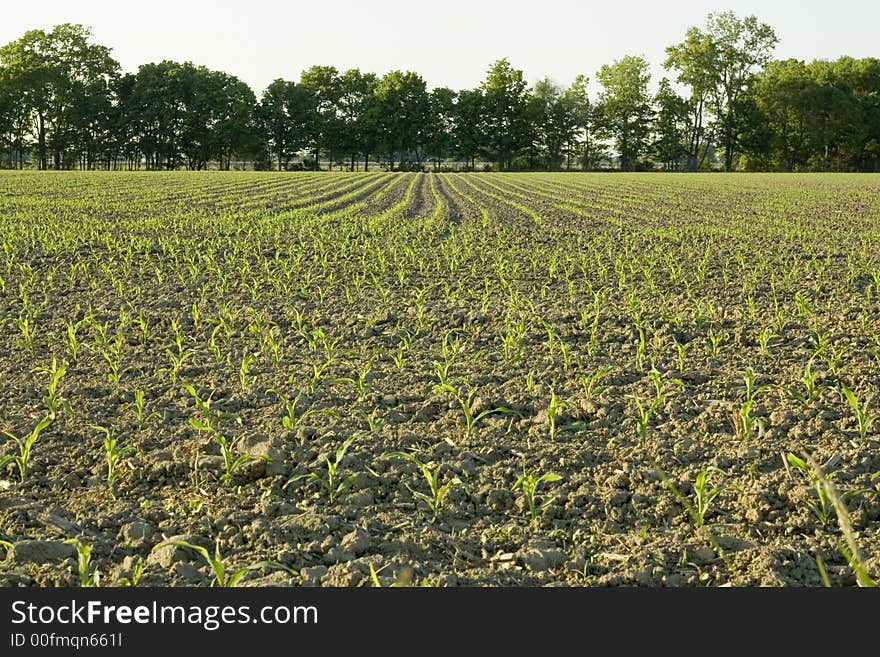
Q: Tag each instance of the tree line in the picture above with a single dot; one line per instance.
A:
(65, 103)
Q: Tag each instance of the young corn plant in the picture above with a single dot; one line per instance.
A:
(860, 410)
(292, 419)
(554, 415)
(138, 408)
(28, 329)
(231, 462)
(744, 421)
(333, 483)
(53, 400)
(221, 576)
(528, 484)
(704, 494)
(715, 340)
(592, 382)
(850, 549)
(25, 446)
(88, 577)
(176, 361)
(361, 384)
(71, 341)
(466, 402)
(813, 390)
(431, 473)
(645, 411)
(245, 378)
(821, 504)
(113, 453)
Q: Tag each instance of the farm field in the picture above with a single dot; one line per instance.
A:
(443, 379)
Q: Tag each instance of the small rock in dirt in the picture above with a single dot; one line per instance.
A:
(188, 572)
(279, 578)
(211, 463)
(702, 555)
(360, 499)
(136, 533)
(357, 542)
(540, 560)
(39, 552)
(343, 574)
(336, 555)
(499, 499)
(271, 456)
(389, 400)
(312, 576)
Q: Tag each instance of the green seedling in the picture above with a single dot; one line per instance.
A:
(222, 578)
(715, 340)
(822, 505)
(681, 350)
(704, 494)
(136, 573)
(744, 421)
(850, 550)
(244, 372)
(528, 484)
(764, 337)
(210, 420)
(113, 453)
(53, 400)
(811, 386)
(332, 483)
(398, 357)
(88, 577)
(293, 419)
(231, 462)
(138, 407)
(467, 407)
(374, 422)
(71, 341)
(25, 445)
(176, 362)
(431, 473)
(28, 330)
(361, 384)
(591, 382)
(863, 416)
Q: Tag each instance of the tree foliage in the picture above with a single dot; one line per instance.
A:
(65, 103)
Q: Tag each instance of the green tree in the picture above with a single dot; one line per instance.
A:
(357, 133)
(469, 125)
(505, 112)
(284, 119)
(404, 107)
(786, 95)
(695, 61)
(325, 126)
(441, 124)
(718, 64)
(624, 107)
(62, 82)
(672, 128)
(556, 121)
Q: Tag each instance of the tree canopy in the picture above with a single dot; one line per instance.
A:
(65, 103)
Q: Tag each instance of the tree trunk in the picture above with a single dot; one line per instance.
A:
(41, 142)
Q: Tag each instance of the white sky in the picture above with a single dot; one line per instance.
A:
(449, 42)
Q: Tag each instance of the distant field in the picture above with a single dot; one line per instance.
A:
(462, 379)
